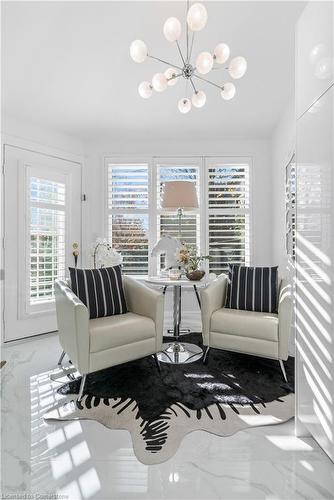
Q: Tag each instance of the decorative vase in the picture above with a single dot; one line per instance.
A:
(195, 275)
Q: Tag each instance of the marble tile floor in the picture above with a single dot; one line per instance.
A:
(84, 460)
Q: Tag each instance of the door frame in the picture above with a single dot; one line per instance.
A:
(30, 146)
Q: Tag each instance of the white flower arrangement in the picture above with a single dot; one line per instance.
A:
(104, 255)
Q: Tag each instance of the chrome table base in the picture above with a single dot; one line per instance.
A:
(177, 352)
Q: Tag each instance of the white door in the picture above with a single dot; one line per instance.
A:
(42, 221)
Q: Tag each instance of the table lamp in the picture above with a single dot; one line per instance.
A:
(179, 195)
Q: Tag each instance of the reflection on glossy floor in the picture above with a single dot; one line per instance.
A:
(84, 460)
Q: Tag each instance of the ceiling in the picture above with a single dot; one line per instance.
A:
(66, 66)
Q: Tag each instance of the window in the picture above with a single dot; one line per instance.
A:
(290, 207)
(47, 238)
(220, 227)
(167, 221)
(128, 214)
(228, 214)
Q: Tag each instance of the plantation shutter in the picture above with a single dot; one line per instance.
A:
(228, 213)
(128, 214)
(178, 170)
(47, 237)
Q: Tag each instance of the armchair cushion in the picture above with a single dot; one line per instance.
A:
(257, 325)
(115, 331)
(101, 290)
(252, 288)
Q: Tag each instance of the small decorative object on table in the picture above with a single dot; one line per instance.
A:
(174, 274)
(104, 255)
(189, 259)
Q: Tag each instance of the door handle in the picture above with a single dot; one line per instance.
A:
(75, 253)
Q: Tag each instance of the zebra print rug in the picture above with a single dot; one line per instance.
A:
(230, 393)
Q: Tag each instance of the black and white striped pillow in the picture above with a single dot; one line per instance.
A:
(101, 290)
(252, 288)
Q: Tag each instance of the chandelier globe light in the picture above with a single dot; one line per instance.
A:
(145, 90)
(172, 29)
(237, 67)
(197, 17)
(138, 51)
(184, 105)
(221, 53)
(171, 75)
(159, 82)
(190, 69)
(228, 91)
(198, 99)
(204, 63)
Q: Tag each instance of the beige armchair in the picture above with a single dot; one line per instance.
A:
(256, 333)
(95, 344)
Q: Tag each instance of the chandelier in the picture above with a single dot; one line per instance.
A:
(191, 71)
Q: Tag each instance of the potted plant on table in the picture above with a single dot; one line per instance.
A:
(189, 259)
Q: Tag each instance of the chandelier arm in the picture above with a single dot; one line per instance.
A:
(191, 45)
(219, 67)
(193, 85)
(165, 62)
(174, 77)
(178, 46)
(220, 87)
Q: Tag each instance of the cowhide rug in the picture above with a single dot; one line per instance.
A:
(230, 393)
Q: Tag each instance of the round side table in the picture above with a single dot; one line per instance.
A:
(177, 352)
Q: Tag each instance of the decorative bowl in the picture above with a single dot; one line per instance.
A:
(195, 275)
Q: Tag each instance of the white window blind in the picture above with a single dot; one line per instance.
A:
(167, 220)
(220, 226)
(228, 214)
(290, 207)
(47, 238)
(128, 214)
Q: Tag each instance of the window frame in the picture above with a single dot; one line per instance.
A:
(153, 211)
(25, 307)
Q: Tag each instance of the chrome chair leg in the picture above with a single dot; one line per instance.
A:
(283, 370)
(157, 362)
(206, 354)
(82, 386)
(61, 358)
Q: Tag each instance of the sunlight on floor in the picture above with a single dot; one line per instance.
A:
(290, 443)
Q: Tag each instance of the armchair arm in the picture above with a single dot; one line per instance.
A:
(73, 325)
(285, 310)
(143, 300)
(212, 298)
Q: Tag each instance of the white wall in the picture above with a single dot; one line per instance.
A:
(18, 130)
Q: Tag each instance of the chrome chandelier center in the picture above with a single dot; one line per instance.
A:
(188, 71)
(196, 20)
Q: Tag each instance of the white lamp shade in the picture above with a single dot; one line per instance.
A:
(184, 105)
(170, 74)
(228, 91)
(204, 63)
(179, 194)
(172, 29)
(159, 82)
(237, 67)
(198, 99)
(138, 51)
(145, 90)
(197, 17)
(221, 53)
